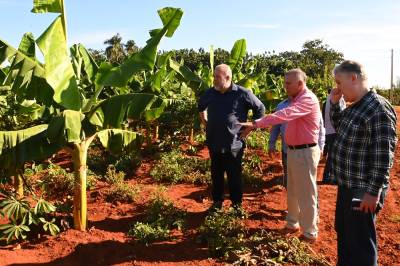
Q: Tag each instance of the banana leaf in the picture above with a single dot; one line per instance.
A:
(59, 72)
(118, 140)
(146, 57)
(113, 112)
(237, 55)
(66, 128)
(26, 76)
(18, 147)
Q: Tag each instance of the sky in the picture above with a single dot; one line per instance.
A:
(363, 30)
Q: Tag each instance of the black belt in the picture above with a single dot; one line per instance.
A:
(303, 146)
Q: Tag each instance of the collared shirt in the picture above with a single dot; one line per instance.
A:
(303, 118)
(328, 123)
(224, 112)
(363, 151)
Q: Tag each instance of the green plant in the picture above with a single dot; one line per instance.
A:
(252, 172)
(146, 233)
(161, 217)
(22, 217)
(122, 192)
(224, 232)
(57, 181)
(170, 167)
(267, 248)
(113, 176)
(175, 167)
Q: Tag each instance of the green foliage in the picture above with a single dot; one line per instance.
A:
(146, 233)
(23, 218)
(258, 140)
(267, 248)
(161, 217)
(56, 181)
(174, 167)
(223, 232)
(113, 176)
(122, 192)
(252, 173)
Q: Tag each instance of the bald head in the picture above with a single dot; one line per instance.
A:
(222, 78)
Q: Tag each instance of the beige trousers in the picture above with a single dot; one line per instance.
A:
(302, 194)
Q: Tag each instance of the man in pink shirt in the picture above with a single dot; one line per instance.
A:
(303, 118)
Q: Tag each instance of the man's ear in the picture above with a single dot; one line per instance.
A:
(353, 77)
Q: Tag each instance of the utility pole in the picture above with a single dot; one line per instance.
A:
(391, 93)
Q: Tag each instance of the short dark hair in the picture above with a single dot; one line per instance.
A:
(349, 66)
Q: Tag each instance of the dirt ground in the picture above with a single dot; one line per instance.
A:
(106, 243)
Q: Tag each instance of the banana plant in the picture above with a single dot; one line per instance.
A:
(78, 119)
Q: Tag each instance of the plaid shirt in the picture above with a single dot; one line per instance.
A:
(363, 151)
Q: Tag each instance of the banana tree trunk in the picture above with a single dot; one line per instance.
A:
(191, 135)
(18, 185)
(79, 156)
(156, 132)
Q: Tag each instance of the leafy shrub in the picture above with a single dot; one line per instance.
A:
(146, 233)
(113, 176)
(267, 248)
(22, 217)
(174, 167)
(223, 232)
(252, 170)
(57, 181)
(258, 139)
(122, 192)
(161, 217)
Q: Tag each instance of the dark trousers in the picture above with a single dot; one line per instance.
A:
(329, 139)
(356, 232)
(231, 163)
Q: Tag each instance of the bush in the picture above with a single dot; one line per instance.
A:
(161, 217)
(223, 232)
(267, 248)
(122, 192)
(113, 176)
(173, 167)
(252, 173)
(57, 181)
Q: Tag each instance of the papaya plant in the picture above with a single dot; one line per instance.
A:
(78, 119)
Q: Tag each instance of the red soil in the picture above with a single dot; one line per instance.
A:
(106, 243)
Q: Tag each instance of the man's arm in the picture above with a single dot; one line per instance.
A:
(273, 137)
(383, 141)
(321, 136)
(203, 118)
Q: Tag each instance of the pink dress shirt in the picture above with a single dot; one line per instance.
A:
(302, 117)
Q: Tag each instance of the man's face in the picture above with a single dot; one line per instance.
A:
(293, 85)
(347, 83)
(221, 81)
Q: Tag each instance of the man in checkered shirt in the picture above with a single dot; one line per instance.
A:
(362, 156)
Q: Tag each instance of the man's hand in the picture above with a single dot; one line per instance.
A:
(248, 127)
(336, 94)
(368, 203)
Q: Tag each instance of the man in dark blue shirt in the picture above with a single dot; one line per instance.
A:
(227, 104)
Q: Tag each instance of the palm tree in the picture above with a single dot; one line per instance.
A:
(115, 50)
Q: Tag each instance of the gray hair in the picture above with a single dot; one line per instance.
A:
(351, 67)
(297, 71)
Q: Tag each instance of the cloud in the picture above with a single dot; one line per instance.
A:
(257, 26)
